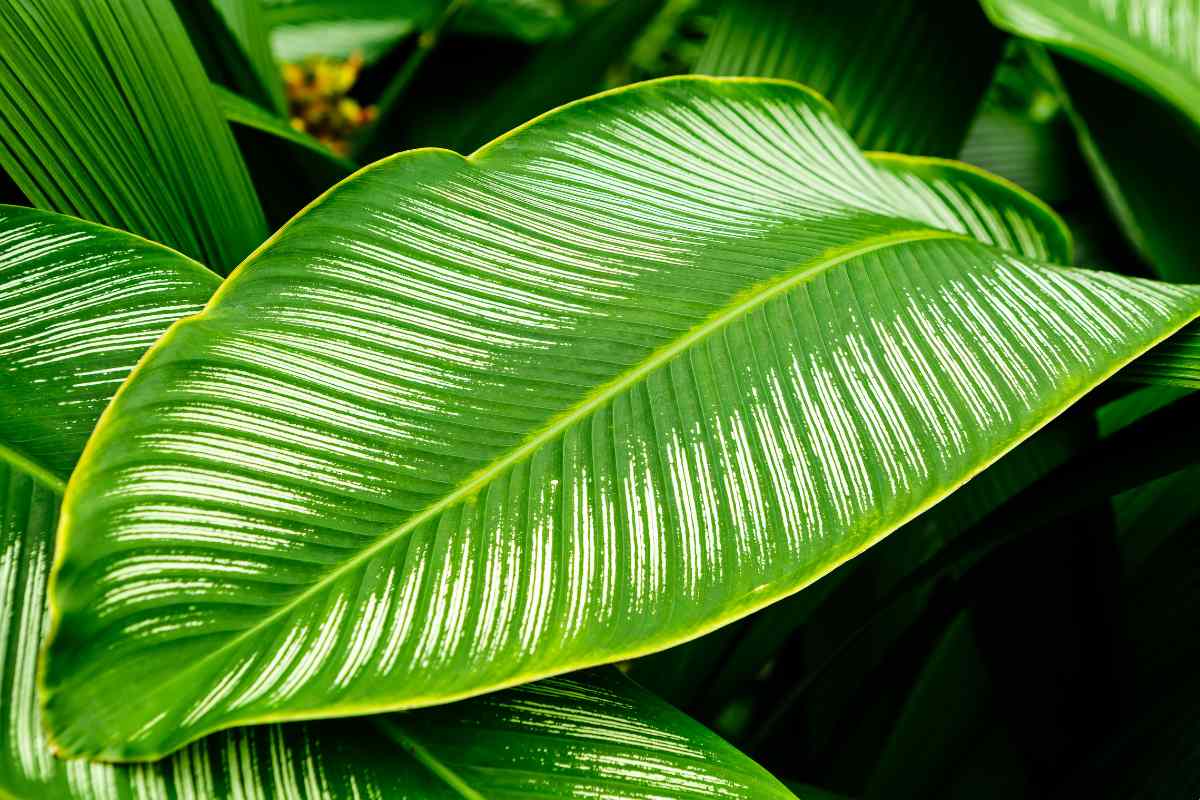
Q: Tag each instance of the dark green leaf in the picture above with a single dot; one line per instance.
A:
(226, 54)
(108, 116)
(907, 77)
(471, 91)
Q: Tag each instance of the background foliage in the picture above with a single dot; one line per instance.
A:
(1029, 635)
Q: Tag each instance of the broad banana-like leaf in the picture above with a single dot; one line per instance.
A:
(78, 305)
(866, 59)
(650, 362)
(593, 734)
(162, 163)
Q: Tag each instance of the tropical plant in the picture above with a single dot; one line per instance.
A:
(691, 437)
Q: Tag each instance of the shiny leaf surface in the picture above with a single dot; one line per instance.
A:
(585, 735)
(647, 364)
(162, 163)
(78, 305)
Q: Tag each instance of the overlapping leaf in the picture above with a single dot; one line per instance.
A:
(108, 116)
(1150, 47)
(78, 305)
(230, 38)
(1149, 44)
(289, 167)
(637, 369)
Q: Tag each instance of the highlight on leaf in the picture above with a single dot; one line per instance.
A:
(461, 415)
(575, 437)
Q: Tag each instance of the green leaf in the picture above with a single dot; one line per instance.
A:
(339, 28)
(85, 130)
(1175, 362)
(289, 176)
(867, 61)
(1036, 155)
(80, 303)
(643, 366)
(227, 55)
(1149, 45)
(590, 734)
(77, 294)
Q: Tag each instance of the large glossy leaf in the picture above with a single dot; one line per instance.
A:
(78, 305)
(645, 365)
(868, 61)
(84, 130)
(586, 735)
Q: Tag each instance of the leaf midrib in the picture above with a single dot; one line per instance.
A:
(425, 758)
(741, 305)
